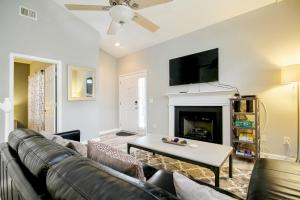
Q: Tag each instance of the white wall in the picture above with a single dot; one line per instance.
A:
(108, 92)
(56, 35)
(252, 49)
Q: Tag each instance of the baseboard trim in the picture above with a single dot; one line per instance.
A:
(109, 131)
(277, 157)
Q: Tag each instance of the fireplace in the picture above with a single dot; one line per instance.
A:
(203, 123)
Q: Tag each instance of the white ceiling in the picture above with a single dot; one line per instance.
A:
(175, 19)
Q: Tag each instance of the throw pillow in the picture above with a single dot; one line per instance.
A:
(186, 189)
(78, 147)
(56, 138)
(74, 145)
(115, 159)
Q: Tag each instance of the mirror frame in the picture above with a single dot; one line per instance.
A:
(81, 69)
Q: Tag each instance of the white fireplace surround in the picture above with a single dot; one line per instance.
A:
(209, 98)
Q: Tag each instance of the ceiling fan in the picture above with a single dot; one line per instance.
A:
(122, 12)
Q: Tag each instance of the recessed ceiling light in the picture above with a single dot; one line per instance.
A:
(117, 44)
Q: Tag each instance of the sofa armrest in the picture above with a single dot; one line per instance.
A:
(274, 179)
(70, 135)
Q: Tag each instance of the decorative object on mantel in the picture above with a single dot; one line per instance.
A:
(175, 141)
(6, 107)
(245, 126)
(291, 74)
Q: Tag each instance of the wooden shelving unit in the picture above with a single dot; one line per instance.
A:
(245, 127)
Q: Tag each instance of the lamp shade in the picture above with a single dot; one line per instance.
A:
(290, 74)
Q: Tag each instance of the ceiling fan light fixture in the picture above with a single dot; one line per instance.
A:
(121, 13)
(114, 28)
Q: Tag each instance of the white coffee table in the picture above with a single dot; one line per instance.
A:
(208, 155)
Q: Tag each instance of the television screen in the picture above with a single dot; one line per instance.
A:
(196, 68)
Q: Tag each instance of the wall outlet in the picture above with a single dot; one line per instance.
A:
(263, 138)
(286, 140)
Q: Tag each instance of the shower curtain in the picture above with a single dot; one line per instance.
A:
(36, 101)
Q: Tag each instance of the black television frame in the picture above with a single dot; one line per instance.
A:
(190, 55)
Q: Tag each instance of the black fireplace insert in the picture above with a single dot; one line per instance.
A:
(203, 123)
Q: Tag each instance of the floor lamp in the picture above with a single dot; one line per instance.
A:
(6, 108)
(291, 74)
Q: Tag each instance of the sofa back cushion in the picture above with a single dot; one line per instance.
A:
(82, 178)
(115, 159)
(38, 154)
(16, 181)
(18, 135)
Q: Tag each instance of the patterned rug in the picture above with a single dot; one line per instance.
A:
(237, 185)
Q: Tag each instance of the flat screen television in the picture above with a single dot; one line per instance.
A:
(196, 68)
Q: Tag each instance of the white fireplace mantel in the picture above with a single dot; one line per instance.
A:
(203, 98)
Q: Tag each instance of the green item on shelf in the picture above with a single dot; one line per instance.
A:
(243, 123)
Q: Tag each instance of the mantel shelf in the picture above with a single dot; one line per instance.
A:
(212, 92)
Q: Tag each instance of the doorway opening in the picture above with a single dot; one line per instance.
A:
(132, 102)
(34, 92)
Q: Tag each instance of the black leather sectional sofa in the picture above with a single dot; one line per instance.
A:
(33, 167)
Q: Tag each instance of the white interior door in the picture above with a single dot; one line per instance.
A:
(50, 99)
(132, 101)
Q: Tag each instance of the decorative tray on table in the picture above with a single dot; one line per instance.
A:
(175, 141)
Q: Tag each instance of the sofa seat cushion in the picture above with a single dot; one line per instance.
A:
(18, 135)
(274, 179)
(115, 159)
(38, 154)
(82, 178)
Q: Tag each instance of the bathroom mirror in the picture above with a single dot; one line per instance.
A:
(81, 83)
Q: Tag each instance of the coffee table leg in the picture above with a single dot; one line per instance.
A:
(217, 176)
(230, 166)
(128, 148)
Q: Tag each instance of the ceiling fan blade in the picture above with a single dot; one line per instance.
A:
(144, 22)
(140, 4)
(87, 7)
(114, 27)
